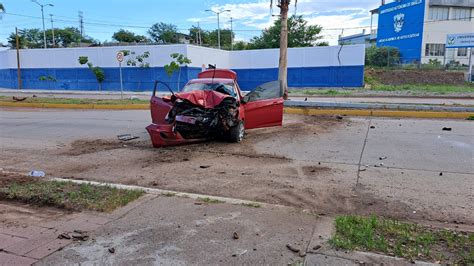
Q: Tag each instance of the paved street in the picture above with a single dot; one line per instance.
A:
(409, 167)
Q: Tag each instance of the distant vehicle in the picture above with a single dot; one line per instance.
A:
(212, 106)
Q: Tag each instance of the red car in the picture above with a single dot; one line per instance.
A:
(213, 106)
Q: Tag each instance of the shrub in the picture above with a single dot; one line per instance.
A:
(382, 56)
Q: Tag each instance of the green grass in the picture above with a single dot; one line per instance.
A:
(437, 89)
(69, 195)
(75, 101)
(209, 200)
(471, 117)
(406, 240)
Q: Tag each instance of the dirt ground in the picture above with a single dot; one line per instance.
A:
(403, 77)
(223, 169)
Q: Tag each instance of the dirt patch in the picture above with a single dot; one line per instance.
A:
(424, 77)
(7, 178)
(315, 170)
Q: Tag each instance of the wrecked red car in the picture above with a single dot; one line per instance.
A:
(212, 106)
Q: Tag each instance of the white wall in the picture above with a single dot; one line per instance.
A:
(160, 55)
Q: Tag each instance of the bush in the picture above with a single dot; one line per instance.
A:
(382, 56)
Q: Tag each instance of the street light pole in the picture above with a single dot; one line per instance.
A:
(52, 29)
(218, 24)
(42, 16)
(231, 35)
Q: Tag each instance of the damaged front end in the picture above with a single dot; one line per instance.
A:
(196, 122)
(191, 117)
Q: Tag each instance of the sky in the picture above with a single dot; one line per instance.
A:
(103, 17)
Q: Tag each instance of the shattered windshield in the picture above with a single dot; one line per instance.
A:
(226, 88)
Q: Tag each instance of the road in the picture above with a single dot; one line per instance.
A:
(409, 168)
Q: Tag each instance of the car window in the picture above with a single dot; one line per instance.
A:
(269, 90)
(226, 88)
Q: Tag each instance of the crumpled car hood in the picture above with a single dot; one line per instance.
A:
(206, 99)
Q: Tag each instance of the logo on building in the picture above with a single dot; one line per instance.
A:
(398, 21)
(451, 40)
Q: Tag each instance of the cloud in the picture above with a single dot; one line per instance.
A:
(257, 15)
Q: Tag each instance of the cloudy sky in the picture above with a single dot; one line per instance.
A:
(103, 17)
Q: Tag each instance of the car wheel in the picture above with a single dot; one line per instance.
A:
(236, 133)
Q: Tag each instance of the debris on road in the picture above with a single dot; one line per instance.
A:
(441, 174)
(447, 129)
(36, 173)
(372, 127)
(316, 247)
(339, 117)
(239, 253)
(17, 99)
(292, 248)
(80, 235)
(204, 166)
(383, 158)
(235, 235)
(112, 250)
(64, 236)
(126, 137)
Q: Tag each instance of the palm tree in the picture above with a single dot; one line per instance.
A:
(283, 63)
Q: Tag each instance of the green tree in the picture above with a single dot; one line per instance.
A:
(163, 33)
(128, 36)
(97, 71)
(382, 56)
(241, 45)
(178, 61)
(300, 34)
(33, 38)
(225, 38)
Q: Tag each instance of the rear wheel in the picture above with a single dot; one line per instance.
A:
(236, 133)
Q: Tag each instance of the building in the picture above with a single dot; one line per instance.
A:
(368, 39)
(419, 28)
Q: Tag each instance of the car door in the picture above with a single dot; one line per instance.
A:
(264, 106)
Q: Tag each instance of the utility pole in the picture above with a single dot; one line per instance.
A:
(283, 63)
(52, 30)
(218, 25)
(231, 35)
(42, 16)
(81, 23)
(199, 40)
(20, 83)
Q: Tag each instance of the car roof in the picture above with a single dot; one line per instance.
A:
(211, 81)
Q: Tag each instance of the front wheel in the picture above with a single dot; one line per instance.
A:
(236, 133)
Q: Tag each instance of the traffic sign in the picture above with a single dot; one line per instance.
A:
(120, 57)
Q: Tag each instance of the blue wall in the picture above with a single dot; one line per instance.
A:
(142, 79)
(401, 25)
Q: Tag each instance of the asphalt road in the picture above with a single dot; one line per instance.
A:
(408, 161)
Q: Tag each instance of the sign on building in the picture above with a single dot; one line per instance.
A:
(460, 40)
(401, 25)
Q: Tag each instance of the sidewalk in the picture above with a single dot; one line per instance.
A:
(469, 101)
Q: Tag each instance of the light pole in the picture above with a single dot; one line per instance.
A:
(218, 24)
(52, 28)
(42, 16)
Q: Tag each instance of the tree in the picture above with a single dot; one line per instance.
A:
(164, 33)
(175, 65)
(241, 45)
(97, 71)
(225, 38)
(382, 56)
(33, 38)
(300, 34)
(128, 36)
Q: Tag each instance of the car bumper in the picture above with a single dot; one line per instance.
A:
(164, 135)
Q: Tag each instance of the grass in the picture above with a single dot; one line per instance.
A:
(168, 194)
(209, 200)
(471, 118)
(252, 205)
(406, 240)
(436, 89)
(76, 101)
(68, 195)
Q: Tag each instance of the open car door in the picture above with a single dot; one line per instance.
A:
(264, 106)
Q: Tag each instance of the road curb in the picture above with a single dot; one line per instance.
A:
(310, 110)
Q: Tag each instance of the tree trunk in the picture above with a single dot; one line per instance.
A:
(283, 65)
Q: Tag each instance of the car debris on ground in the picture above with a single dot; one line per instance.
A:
(126, 137)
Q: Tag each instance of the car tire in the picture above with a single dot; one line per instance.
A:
(236, 133)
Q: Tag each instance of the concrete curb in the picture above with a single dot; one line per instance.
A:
(301, 108)
(157, 191)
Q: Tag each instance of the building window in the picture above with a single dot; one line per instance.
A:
(460, 13)
(435, 49)
(439, 13)
(462, 51)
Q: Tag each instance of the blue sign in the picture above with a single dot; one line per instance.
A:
(401, 25)
(463, 40)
